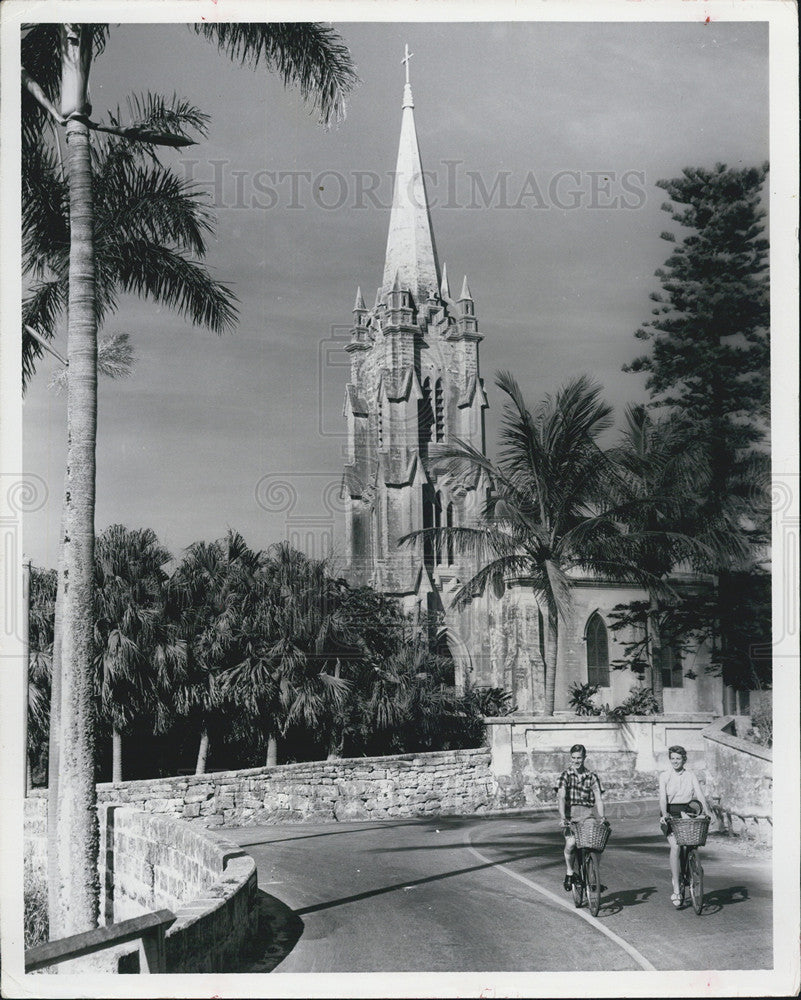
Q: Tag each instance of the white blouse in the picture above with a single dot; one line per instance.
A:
(679, 786)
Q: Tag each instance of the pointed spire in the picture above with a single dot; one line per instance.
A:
(410, 243)
(465, 291)
(396, 286)
(445, 288)
(359, 305)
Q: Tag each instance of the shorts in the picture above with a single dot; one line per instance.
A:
(579, 813)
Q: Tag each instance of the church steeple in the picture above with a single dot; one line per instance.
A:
(411, 251)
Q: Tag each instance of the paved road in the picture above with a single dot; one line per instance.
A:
(473, 894)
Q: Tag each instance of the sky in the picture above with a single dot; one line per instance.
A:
(542, 142)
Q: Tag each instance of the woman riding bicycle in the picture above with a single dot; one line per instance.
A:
(679, 795)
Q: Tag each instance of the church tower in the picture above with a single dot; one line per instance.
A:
(414, 389)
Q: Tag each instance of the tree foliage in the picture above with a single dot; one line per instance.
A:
(709, 356)
(708, 367)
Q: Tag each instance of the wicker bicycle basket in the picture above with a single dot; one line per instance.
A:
(590, 834)
(690, 832)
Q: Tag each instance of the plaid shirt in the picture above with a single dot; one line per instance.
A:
(579, 788)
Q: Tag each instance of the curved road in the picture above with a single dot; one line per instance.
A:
(472, 894)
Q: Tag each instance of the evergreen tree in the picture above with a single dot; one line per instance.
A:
(709, 366)
(709, 358)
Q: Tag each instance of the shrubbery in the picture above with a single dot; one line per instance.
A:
(36, 923)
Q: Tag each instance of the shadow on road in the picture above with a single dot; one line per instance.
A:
(279, 931)
(715, 901)
(356, 897)
(617, 901)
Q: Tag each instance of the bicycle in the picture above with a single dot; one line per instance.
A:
(591, 838)
(690, 834)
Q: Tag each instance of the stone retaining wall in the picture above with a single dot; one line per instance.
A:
(151, 862)
(739, 782)
(530, 752)
(451, 782)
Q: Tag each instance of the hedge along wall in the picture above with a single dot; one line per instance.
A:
(149, 862)
(739, 782)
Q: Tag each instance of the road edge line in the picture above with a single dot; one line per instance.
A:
(639, 958)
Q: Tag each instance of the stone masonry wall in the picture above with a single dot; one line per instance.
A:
(453, 782)
(739, 782)
(150, 862)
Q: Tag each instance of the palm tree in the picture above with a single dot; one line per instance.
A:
(40, 655)
(210, 591)
(132, 637)
(150, 230)
(659, 488)
(56, 60)
(290, 641)
(544, 514)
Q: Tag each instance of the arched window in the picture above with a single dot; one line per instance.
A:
(670, 663)
(449, 524)
(429, 504)
(425, 416)
(439, 412)
(437, 524)
(597, 652)
(541, 629)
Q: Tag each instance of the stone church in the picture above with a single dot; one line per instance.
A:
(415, 385)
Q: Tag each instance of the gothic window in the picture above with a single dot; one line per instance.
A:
(429, 503)
(449, 524)
(671, 666)
(439, 412)
(597, 652)
(437, 524)
(425, 415)
(541, 628)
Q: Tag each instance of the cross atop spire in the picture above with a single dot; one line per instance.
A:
(408, 55)
(411, 254)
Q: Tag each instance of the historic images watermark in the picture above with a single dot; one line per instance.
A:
(310, 502)
(452, 186)
(20, 494)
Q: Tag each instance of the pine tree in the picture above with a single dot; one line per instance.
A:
(709, 367)
(709, 358)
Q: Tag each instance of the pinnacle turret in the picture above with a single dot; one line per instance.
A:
(445, 288)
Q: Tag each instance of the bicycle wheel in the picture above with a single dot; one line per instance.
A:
(578, 887)
(696, 878)
(592, 881)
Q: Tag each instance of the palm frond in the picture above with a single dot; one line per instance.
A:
(40, 310)
(171, 280)
(115, 359)
(309, 56)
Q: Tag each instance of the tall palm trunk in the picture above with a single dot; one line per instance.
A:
(76, 816)
(272, 750)
(53, 895)
(551, 654)
(202, 752)
(116, 756)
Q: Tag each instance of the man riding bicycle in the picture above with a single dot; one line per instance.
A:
(679, 795)
(579, 797)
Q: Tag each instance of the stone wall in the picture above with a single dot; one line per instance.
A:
(530, 752)
(150, 862)
(455, 782)
(739, 782)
